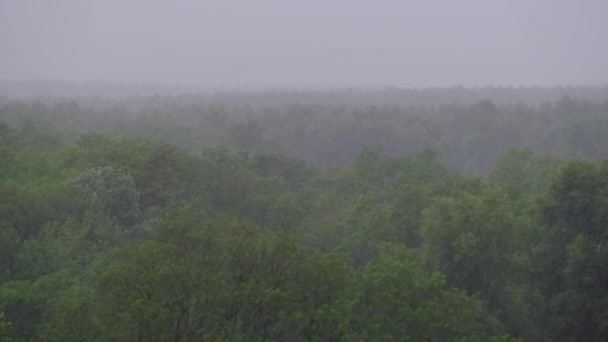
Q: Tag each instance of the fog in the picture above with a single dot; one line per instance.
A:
(272, 43)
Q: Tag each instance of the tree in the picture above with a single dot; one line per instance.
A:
(114, 190)
(324, 295)
(521, 172)
(136, 291)
(470, 238)
(398, 301)
(5, 134)
(5, 329)
(71, 317)
(247, 135)
(167, 176)
(574, 251)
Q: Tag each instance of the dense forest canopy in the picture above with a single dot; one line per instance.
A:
(351, 215)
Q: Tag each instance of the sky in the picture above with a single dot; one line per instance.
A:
(307, 43)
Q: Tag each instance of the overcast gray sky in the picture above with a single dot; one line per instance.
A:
(409, 43)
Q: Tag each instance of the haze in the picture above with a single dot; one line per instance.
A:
(276, 43)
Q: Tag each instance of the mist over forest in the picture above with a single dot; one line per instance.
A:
(468, 129)
(311, 171)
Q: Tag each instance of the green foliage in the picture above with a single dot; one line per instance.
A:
(71, 317)
(116, 238)
(114, 190)
(5, 134)
(471, 239)
(521, 172)
(399, 302)
(324, 296)
(5, 329)
(8, 161)
(136, 293)
(574, 250)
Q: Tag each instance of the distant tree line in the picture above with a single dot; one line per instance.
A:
(469, 138)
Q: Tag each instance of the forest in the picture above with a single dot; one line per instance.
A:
(393, 215)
